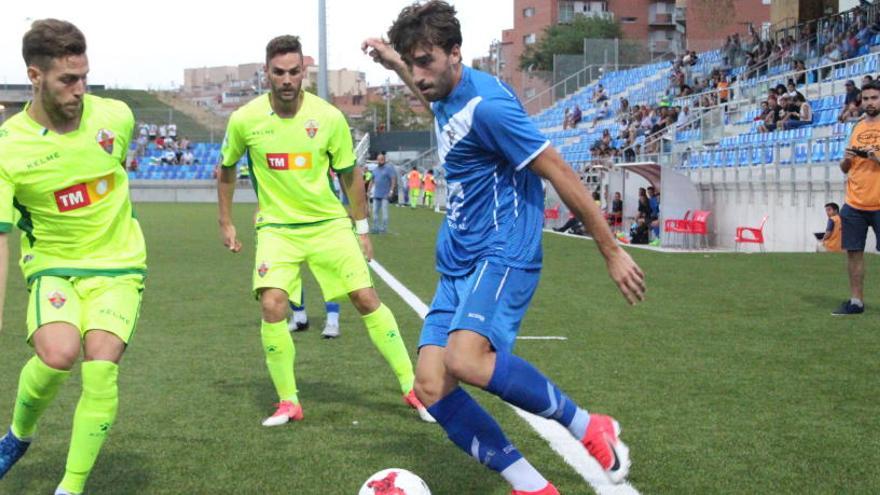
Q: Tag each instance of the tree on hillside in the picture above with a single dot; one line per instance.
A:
(567, 39)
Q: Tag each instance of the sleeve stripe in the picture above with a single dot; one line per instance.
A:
(531, 157)
(5, 227)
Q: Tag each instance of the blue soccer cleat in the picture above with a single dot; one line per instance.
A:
(11, 450)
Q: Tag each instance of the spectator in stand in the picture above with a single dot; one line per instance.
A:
(831, 240)
(867, 79)
(144, 130)
(163, 131)
(723, 87)
(169, 157)
(188, 158)
(800, 77)
(599, 96)
(624, 106)
(184, 143)
(791, 91)
(681, 121)
(802, 117)
(160, 142)
(154, 131)
(576, 116)
(172, 131)
(851, 104)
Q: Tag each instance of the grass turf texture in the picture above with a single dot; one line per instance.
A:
(731, 378)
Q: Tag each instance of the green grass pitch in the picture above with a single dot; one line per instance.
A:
(731, 378)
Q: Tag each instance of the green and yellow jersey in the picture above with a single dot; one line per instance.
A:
(289, 159)
(68, 194)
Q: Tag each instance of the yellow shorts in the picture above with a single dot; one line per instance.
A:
(111, 304)
(330, 248)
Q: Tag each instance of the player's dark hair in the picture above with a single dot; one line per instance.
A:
(833, 206)
(432, 23)
(282, 45)
(49, 39)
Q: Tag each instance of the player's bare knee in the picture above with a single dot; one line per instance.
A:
(460, 366)
(365, 301)
(274, 305)
(59, 357)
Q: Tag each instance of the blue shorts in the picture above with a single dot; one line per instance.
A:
(491, 301)
(854, 227)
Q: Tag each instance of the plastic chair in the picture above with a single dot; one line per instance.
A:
(698, 225)
(750, 235)
(677, 225)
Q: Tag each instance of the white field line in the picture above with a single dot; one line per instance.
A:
(559, 438)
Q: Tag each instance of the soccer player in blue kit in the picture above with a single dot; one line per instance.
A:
(489, 251)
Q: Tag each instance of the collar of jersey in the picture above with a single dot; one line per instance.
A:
(33, 124)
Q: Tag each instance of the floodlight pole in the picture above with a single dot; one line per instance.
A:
(322, 50)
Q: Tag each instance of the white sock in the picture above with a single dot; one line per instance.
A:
(857, 302)
(300, 316)
(333, 319)
(523, 477)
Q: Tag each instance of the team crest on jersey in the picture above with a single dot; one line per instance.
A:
(263, 269)
(57, 299)
(105, 138)
(312, 128)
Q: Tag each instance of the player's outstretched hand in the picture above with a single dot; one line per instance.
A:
(366, 246)
(630, 279)
(382, 53)
(230, 239)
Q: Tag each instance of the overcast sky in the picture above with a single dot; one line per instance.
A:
(148, 47)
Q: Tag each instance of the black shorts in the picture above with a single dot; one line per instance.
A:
(854, 225)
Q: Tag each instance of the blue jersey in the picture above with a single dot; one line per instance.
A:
(495, 204)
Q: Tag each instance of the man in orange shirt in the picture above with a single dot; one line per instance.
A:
(430, 185)
(861, 164)
(414, 180)
(831, 241)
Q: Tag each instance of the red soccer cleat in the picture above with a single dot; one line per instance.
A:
(547, 490)
(287, 411)
(412, 401)
(602, 442)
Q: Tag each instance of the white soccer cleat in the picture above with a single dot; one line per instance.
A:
(330, 331)
(287, 411)
(412, 401)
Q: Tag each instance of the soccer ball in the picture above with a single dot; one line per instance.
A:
(394, 482)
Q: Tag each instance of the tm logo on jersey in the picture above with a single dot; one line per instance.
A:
(81, 195)
(289, 161)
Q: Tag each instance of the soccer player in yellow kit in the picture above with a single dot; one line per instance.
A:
(291, 138)
(62, 177)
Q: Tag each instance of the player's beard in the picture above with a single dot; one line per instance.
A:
(59, 112)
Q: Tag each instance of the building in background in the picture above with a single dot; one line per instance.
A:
(664, 27)
(225, 88)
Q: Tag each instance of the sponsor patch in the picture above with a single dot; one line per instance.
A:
(82, 195)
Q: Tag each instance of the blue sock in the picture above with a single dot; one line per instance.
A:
(521, 384)
(302, 302)
(470, 427)
(332, 307)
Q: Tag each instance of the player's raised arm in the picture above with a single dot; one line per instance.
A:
(384, 55)
(623, 270)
